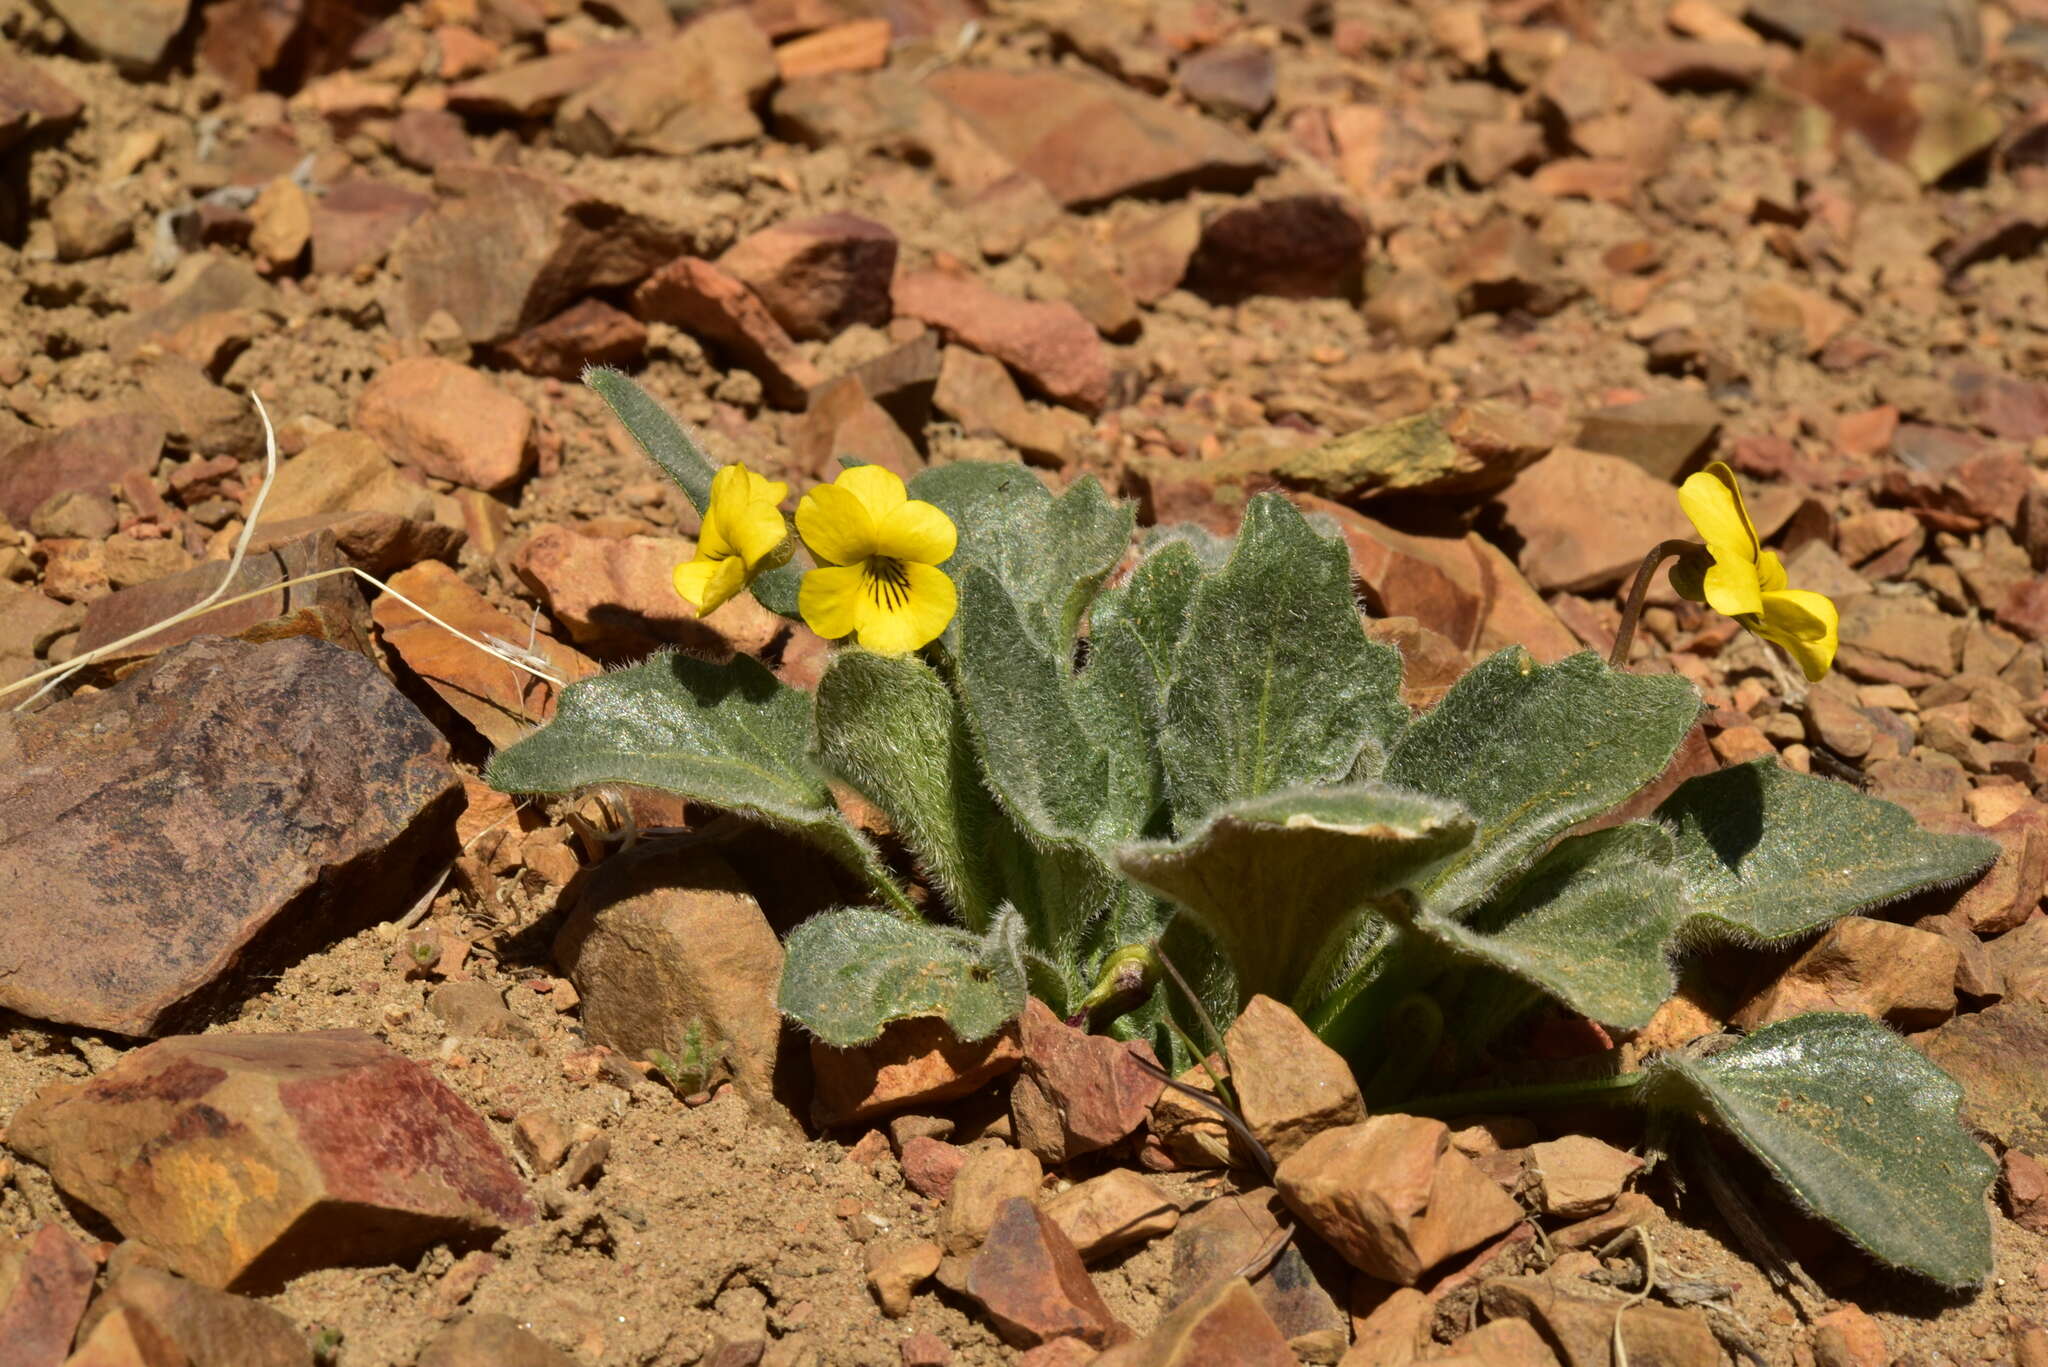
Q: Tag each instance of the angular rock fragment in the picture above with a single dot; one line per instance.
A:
(449, 421)
(1078, 1092)
(491, 1341)
(977, 392)
(1050, 345)
(985, 1183)
(357, 222)
(699, 297)
(840, 419)
(1032, 1285)
(818, 276)
(1112, 1212)
(672, 957)
(587, 333)
(206, 1325)
(1563, 548)
(1583, 1328)
(86, 456)
(2000, 1057)
(45, 1280)
(913, 1062)
(1290, 1085)
(1899, 975)
(223, 806)
(1224, 1324)
(1216, 1239)
(1292, 247)
(31, 99)
(694, 91)
(534, 88)
(1578, 1175)
(1666, 436)
(617, 595)
(244, 1160)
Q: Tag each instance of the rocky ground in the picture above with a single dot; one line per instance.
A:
(1478, 279)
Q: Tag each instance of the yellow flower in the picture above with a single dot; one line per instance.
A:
(743, 534)
(877, 549)
(1746, 581)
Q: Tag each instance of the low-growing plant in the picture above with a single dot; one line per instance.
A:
(1208, 757)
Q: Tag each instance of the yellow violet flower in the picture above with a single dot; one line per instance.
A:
(877, 550)
(743, 534)
(1747, 582)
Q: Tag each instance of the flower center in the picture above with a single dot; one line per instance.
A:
(885, 581)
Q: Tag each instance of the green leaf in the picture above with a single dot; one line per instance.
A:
(1860, 1128)
(669, 445)
(731, 735)
(847, 974)
(1153, 605)
(1592, 924)
(1532, 750)
(1275, 683)
(889, 727)
(1775, 853)
(1280, 880)
(1051, 553)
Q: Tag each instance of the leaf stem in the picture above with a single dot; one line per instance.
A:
(1625, 634)
(1600, 1091)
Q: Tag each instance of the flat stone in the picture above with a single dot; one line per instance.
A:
(671, 955)
(206, 1325)
(1102, 141)
(1031, 1284)
(358, 221)
(1225, 1324)
(503, 250)
(222, 807)
(491, 1341)
(1290, 1085)
(424, 138)
(1050, 346)
(1498, 1343)
(243, 41)
(1290, 247)
(705, 301)
(132, 33)
(501, 701)
(87, 456)
(818, 276)
(86, 225)
(1112, 1212)
(1078, 1092)
(536, 88)
(617, 595)
(1564, 549)
(1216, 1239)
(842, 419)
(2000, 1057)
(1393, 1197)
(123, 1339)
(977, 392)
(1578, 1175)
(344, 472)
(1470, 449)
(1899, 975)
(45, 1280)
(861, 45)
(378, 543)
(1581, 1329)
(695, 91)
(448, 421)
(1666, 435)
(587, 333)
(244, 1160)
(913, 1063)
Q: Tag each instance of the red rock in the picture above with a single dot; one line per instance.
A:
(1078, 270)
(1393, 1197)
(424, 138)
(1383, 151)
(2007, 893)
(818, 275)
(1578, 1175)
(2003, 405)
(2025, 1188)
(691, 92)
(46, 1279)
(1106, 1214)
(287, 41)
(895, 1270)
(1295, 247)
(861, 45)
(842, 420)
(503, 703)
(449, 421)
(930, 1165)
(201, 415)
(988, 1181)
(244, 1160)
(206, 1325)
(1666, 435)
(133, 34)
(86, 456)
(929, 1350)
(590, 332)
(1290, 1085)
(31, 99)
(123, 1339)
(915, 1061)
(1216, 1240)
(1078, 1092)
(1030, 1282)
(977, 392)
(1050, 345)
(1893, 972)
(1105, 141)
(504, 249)
(293, 762)
(1153, 252)
(1225, 1324)
(2000, 1057)
(1849, 1338)
(534, 89)
(355, 224)
(1580, 1329)
(699, 297)
(496, 1341)
(1231, 79)
(1564, 549)
(1798, 319)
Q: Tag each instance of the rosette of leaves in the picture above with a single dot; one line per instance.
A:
(1213, 755)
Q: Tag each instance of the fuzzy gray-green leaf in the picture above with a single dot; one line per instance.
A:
(1275, 683)
(889, 727)
(1051, 553)
(669, 445)
(1592, 924)
(1279, 880)
(1532, 750)
(731, 735)
(847, 974)
(1861, 1128)
(1153, 604)
(1773, 853)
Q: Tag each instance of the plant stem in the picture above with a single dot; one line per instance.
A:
(1599, 1091)
(1625, 634)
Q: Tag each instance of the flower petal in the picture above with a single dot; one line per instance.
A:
(707, 584)
(880, 490)
(918, 533)
(1731, 588)
(1712, 501)
(918, 618)
(1806, 625)
(829, 600)
(1770, 572)
(759, 534)
(836, 525)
